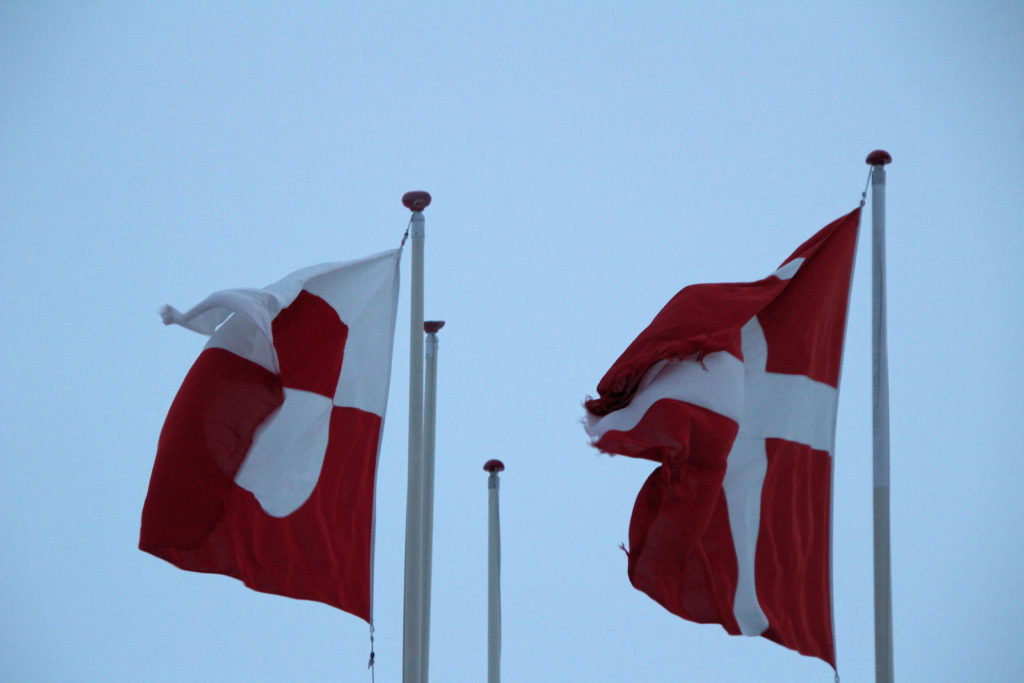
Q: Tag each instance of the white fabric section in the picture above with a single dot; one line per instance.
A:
(248, 334)
(205, 316)
(365, 295)
(283, 464)
(715, 384)
(779, 406)
(791, 407)
(744, 478)
(240, 335)
(788, 270)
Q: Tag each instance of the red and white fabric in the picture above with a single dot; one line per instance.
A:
(733, 389)
(266, 465)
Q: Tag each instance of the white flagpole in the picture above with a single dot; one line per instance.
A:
(412, 671)
(493, 574)
(880, 384)
(429, 423)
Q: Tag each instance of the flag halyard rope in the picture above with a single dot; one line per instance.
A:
(409, 226)
(369, 665)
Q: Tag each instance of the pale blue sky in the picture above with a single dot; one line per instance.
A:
(587, 160)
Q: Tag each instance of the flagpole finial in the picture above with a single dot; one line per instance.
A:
(432, 326)
(416, 200)
(877, 158)
(494, 466)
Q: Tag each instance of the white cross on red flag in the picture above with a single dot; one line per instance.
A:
(266, 465)
(733, 389)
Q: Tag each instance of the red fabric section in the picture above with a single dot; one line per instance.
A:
(207, 434)
(198, 519)
(680, 546)
(310, 342)
(793, 553)
(804, 326)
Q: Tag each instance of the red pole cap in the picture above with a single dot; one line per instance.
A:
(416, 200)
(879, 158)
(432, 326)
(493, 466)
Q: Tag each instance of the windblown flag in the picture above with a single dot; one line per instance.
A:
(733, 389)
(266, 465)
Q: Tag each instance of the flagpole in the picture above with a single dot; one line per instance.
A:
(493, 574)
(880, 385)
(412, 634)
(429, 422)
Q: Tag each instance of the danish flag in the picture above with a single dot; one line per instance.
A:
(266, 465)
(733, 389)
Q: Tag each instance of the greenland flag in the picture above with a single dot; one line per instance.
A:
(266, 465)
(733, 389)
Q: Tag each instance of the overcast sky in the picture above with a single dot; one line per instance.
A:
(587, 160)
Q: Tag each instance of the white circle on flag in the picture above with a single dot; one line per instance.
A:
(287, 453)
